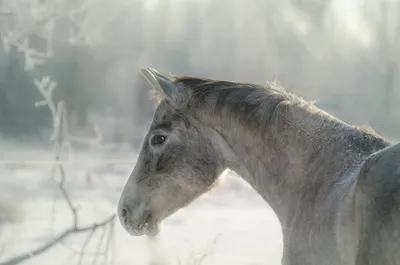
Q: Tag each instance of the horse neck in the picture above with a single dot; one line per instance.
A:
(276, 161)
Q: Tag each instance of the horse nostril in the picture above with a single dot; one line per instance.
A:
(124, 214)
(147, 217)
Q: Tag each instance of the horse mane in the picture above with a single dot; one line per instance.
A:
(255, 105)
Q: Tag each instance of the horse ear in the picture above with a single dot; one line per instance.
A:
(164, 87)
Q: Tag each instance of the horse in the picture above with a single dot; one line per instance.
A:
(334, 187)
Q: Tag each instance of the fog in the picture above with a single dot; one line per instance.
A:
(344, 55)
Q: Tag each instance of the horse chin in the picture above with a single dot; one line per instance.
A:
(152, 230)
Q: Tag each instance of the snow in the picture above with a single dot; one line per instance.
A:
(229, 225)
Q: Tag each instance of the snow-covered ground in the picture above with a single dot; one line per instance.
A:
(230, 225)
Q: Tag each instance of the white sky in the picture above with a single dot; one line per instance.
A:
(348, 12)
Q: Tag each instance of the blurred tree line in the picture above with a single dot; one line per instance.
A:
(95, 48)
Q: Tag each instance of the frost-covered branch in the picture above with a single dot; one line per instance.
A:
(46, 20)
(28, 18)
(56, 240)
(61, 141)
(32, 57)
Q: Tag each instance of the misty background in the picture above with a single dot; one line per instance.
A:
(343, 54)
(70, 83)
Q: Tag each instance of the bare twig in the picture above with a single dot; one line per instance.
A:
(112, 243)
(108, 244)
(73, 209)
(98, 252)
(88, 238)
(66, 233)
(99, 243)
(53, 211)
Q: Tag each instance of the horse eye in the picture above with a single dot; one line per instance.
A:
(158, 140)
